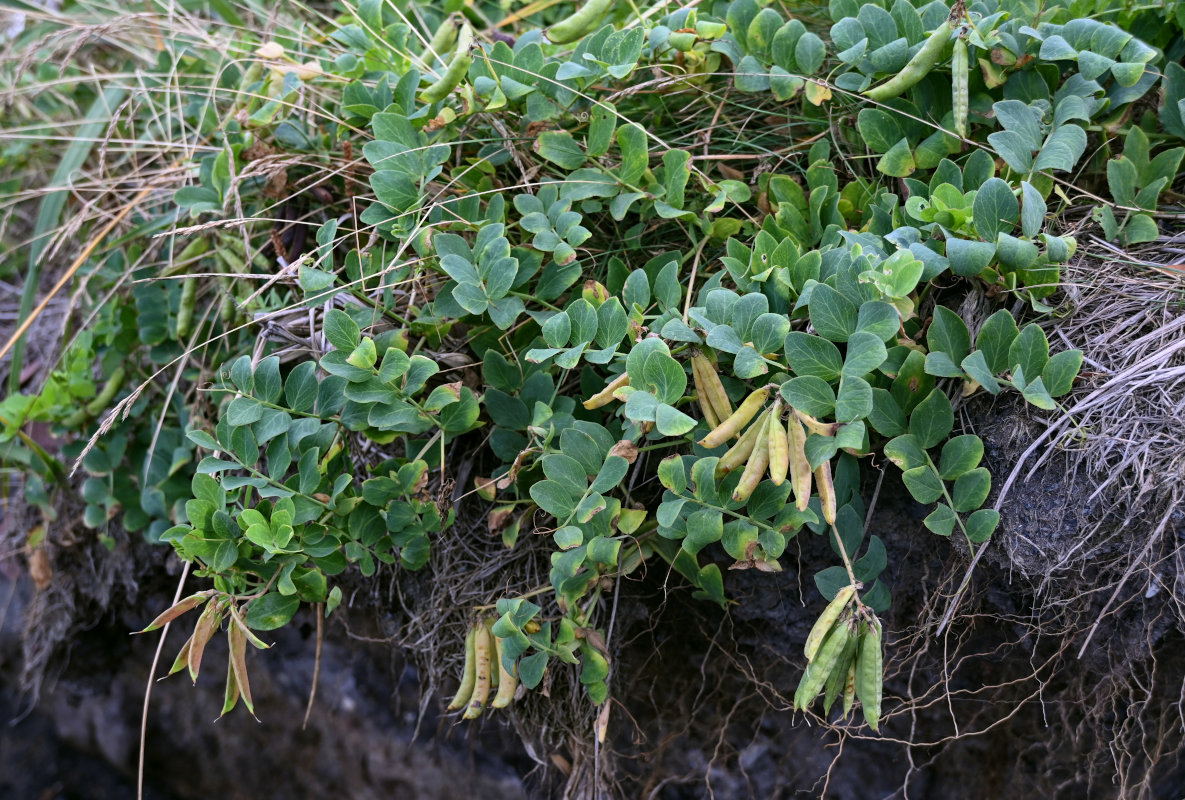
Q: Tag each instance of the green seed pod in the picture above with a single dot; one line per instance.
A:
(961, 86)
(820, 669)
(870, 674)
(919, 66)
(457, 68)
(826, 620)
(185, 310)
(468, 672)
(580, 23)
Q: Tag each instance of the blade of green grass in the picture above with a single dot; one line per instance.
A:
(73, 158)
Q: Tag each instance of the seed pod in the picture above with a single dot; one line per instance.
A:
(507, 679)
(713, 388)
(174, 611)
(98, 403)
(458, 66)
(206, 627)
(182, 658)
(870, 674)
(919, 66)
(580, 23)
(231, 697)
(701, 394)
(779, 446)
(849, 689)
(826, 491)
(196, 248)
(961, 86)
(800, 467)
(238, 665)
(185, 309)
(827, 619)
(837, 680)
(815, 426)
(820, 669)
(440, 44)
(758, 461)
(482, 679)
(605, 396)
(738, 455)
(468, 673)
(737, 420)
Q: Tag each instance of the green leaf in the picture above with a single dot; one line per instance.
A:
(995, 340)
(1062, 149)
(364, 356)
(866, 352)
(905, 451)
(300, 390)
(242, 375)
(977, 369)
(996, 210)
(663, 376)
(813, 356)
(560, 148)
(751, 77)
(602, 123)
(635, 156)
(268, 384)
(810, 395)
(971, 489)
(932, 419)
(1035, 394)
(672, 474)
(886, 417)
(879, 129)
(670, 421)
(923, 484)
(584, 321)
(878, 318)
(341, 330)
(557, 330)
(531, 669)
(809, 53)
(948, 334)
(833, 316)
(1140, 228)
(898, 161)
(677, 174)
(568, 537)
(1060, 371)
(1014, 149)
(960, 455)
(604, 550)
(553, 498)
(1029, 352)
(705, 526)
(982, 524)
(854, 400)
(941, 520)
(1033, 210)
(271, 611)
(939, 364)
(968, 258)
(243, 411)
(567, 472)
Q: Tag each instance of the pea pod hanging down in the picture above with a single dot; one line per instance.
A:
(922, 63)
(732, 426)
(583, 21)
(458, 66)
